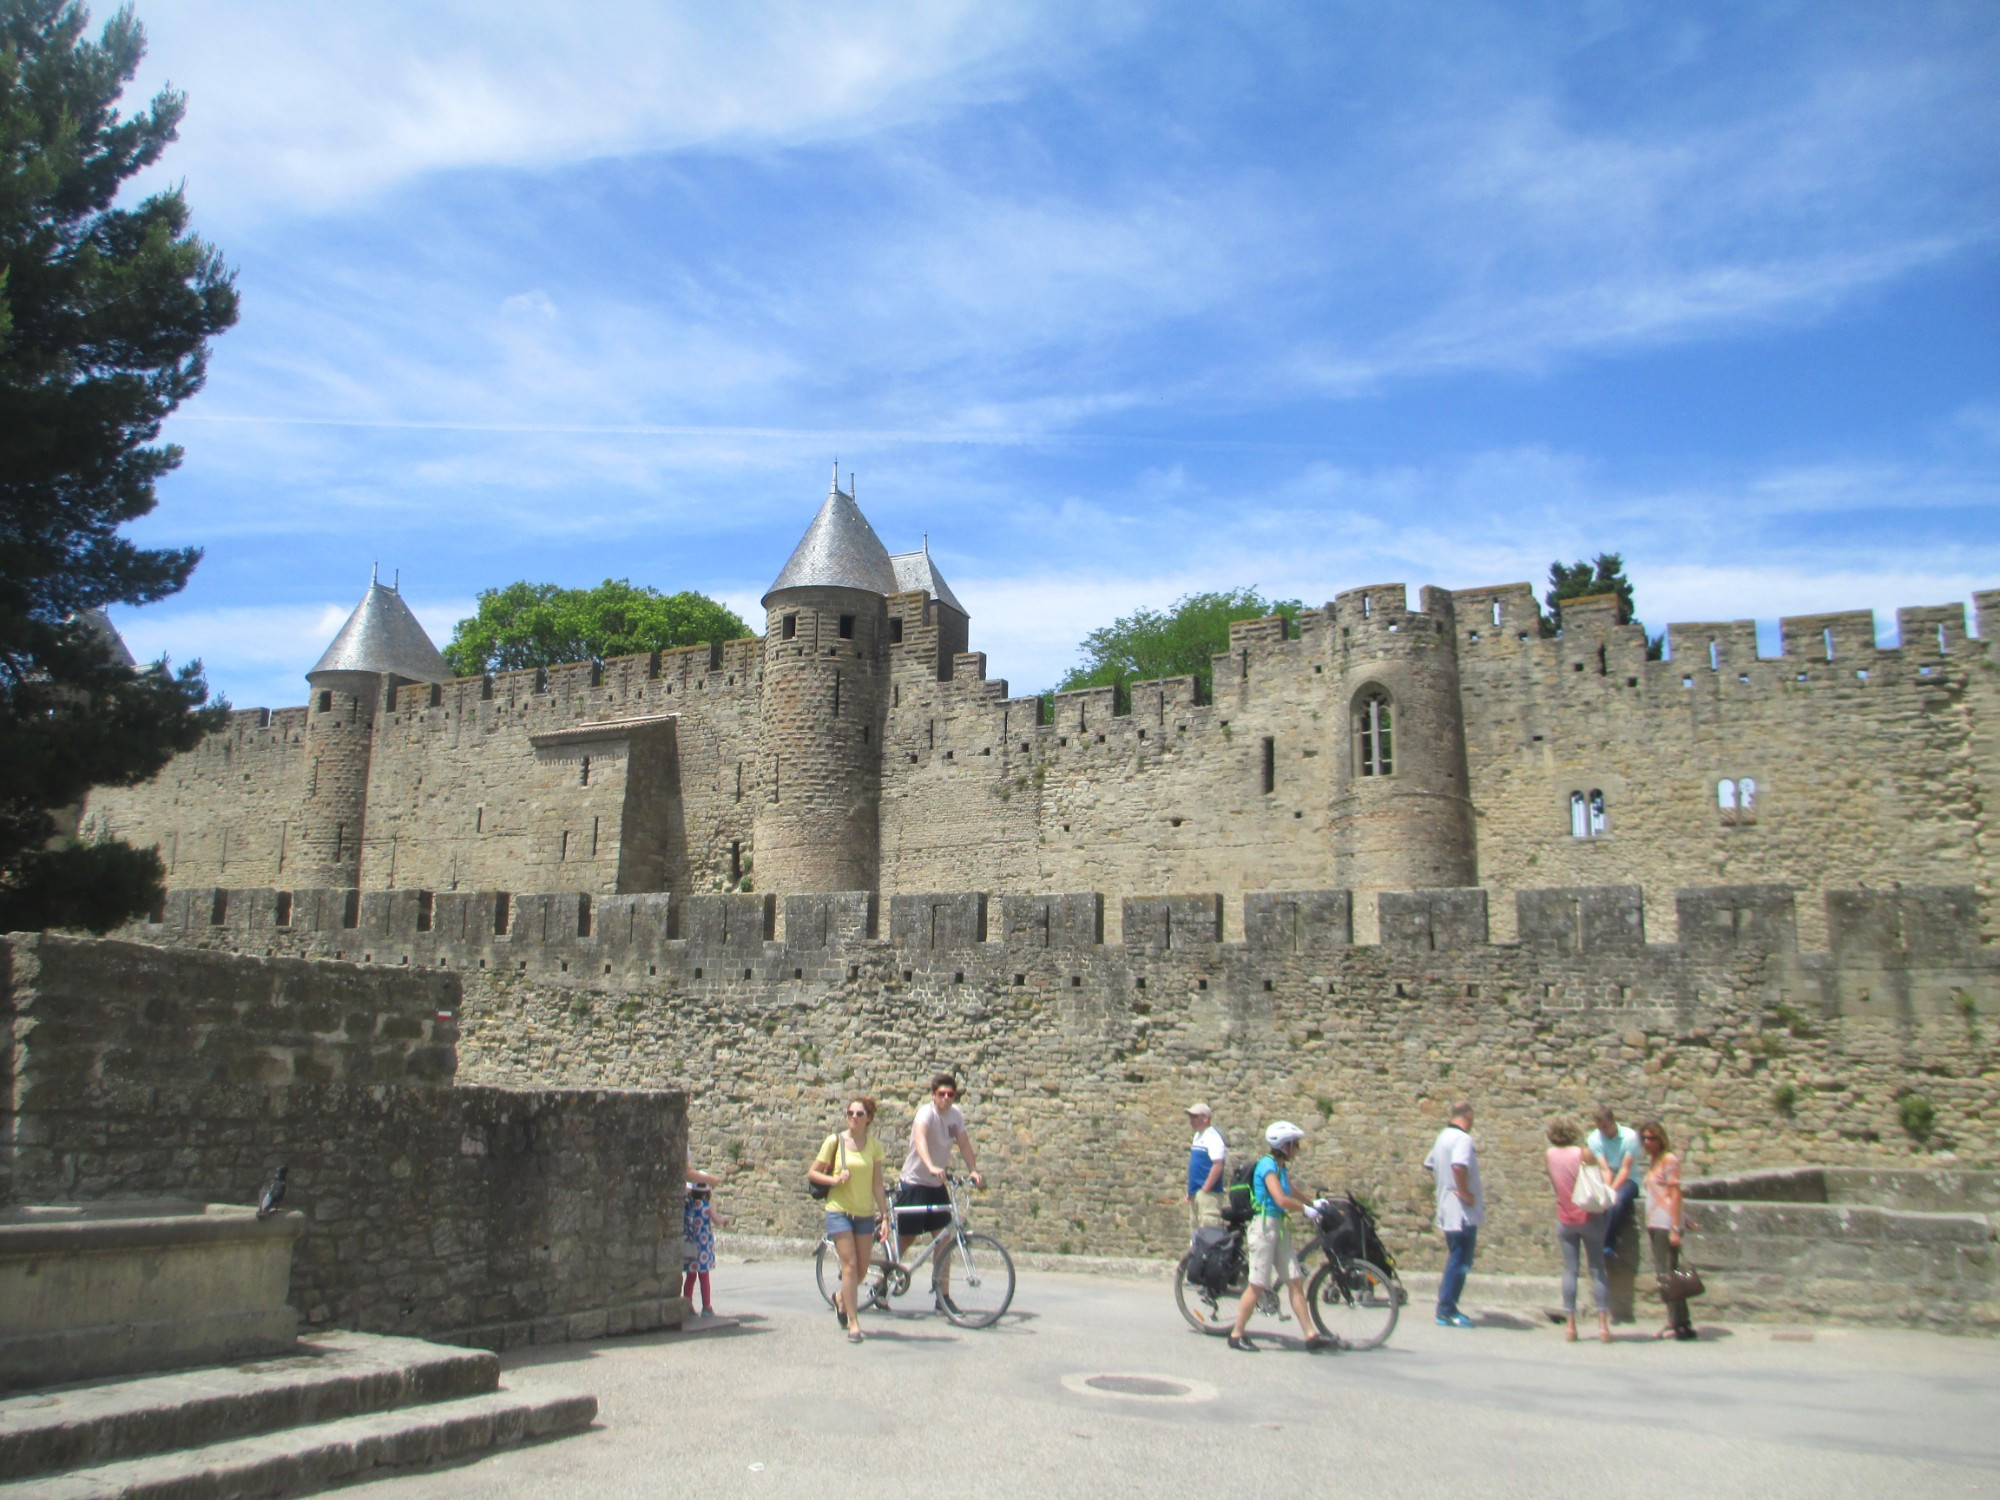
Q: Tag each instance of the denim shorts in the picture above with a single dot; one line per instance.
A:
(861, 1224)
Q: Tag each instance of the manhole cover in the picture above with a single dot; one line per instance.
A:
(1136, 1385)
(1121, 1385)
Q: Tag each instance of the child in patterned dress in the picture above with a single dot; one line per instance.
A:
(698, 1236)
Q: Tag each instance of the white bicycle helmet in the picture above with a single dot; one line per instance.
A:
(1282, 1134)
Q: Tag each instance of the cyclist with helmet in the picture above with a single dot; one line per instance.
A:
(1270, 1239)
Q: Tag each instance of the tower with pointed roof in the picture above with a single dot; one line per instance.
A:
(826, 670)
(381, 648)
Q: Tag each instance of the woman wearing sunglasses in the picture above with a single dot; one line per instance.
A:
(849, 1165)
(1664, 1221)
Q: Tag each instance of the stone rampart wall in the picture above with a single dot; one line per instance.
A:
(1079, 1055)
(1871, 766)
(486, 1214)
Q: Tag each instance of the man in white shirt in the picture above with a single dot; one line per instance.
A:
(1204, 1177)
(1461, 1208)
(938, 1124)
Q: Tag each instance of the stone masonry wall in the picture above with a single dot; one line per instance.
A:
(483, 1214)
(1079, 1055)
(1871, 767)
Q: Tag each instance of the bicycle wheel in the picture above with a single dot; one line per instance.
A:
(826, 1270)
(1206, 1313)
(974, 1280)
(1354, 1304)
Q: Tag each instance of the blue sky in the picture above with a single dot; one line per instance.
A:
(1115, 302)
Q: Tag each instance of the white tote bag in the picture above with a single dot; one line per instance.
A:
(1592, 1193)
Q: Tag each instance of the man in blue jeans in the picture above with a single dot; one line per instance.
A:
(1461, 1208)
(1616, 1148)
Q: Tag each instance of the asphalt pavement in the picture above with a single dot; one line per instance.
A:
(779, 1404)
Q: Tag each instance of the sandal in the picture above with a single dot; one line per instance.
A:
(854, 1335)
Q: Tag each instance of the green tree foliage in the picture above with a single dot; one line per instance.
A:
(105, 317)
(1175, 643)
(1584, 580)
(542, 625)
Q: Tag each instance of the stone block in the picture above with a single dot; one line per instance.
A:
(1434, 921)
(1934, 925)
(835, 920)
(1075, 921)
(1298, 921)
(729, 921)
(1723, 917)
(926, 923)
(88, 1291)
(1164, 923)
(1582, 919)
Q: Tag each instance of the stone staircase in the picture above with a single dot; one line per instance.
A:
(346, 1406)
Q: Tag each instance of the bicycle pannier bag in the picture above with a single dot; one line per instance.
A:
(820, 1189)
(1211, 1259)
(1591, 1194)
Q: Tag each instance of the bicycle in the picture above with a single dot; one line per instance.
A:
(1353, 1301)
(972, 1279)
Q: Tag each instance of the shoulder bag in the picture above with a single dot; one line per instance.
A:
(1592, 1193)
(821, 1189)
(1681, 1283)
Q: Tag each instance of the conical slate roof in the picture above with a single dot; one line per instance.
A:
(382, 636)
(839, 550)
(915, 570)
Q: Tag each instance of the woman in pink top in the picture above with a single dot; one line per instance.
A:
(1576, 1229)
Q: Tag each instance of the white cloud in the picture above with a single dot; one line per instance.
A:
(315, 106)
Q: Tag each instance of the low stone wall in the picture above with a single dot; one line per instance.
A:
(88, 1291)
(487, 1215)
(1894, 1246)
(1908, 1189)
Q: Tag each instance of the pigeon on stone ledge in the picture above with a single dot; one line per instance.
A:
(272, 1196)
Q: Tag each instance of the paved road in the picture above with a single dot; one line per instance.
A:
(781, 1406)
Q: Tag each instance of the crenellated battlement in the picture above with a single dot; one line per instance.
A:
(1906, 928)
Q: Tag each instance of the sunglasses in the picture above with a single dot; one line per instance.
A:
(857, 1114)
(945, 1094)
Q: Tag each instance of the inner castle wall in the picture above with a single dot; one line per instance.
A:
(1871, 766)
(1079, 1051)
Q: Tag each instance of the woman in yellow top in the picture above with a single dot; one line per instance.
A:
(857, 1207)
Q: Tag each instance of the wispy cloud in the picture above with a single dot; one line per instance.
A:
(315, 111)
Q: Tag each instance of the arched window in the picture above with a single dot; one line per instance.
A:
(1586, 814)
(1374, 753)
(1737, 800)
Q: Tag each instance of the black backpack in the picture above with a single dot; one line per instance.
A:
(1239, 1198)
(1212, 1259)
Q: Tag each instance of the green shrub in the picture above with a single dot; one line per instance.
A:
(1784, 1098)
(1918, 1114)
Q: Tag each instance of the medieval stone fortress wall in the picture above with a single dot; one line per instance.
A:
(1371, 747)
(1436, 853)
(1079, 1052)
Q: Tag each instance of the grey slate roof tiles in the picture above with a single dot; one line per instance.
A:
(383, 636)
(839, 550)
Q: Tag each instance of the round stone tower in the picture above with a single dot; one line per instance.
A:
(1401, 817)
(379, 648)
(826, 653)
